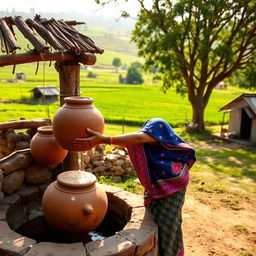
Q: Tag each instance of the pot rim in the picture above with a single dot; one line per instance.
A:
(78, 100)
(45, 129)
(76, 179)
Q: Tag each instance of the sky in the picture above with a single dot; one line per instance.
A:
(81, 6)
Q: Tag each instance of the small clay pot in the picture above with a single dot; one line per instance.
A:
(72, 120)
(44, 147)
(75, 203)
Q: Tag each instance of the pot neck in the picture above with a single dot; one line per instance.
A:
(45, 130)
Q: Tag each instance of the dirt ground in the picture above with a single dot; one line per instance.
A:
(219, 224)
(213, 226)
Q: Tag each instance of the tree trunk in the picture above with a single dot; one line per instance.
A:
(198, 108)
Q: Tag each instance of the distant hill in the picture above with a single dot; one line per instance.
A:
(116, 43)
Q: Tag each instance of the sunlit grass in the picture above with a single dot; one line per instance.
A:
(119, 103)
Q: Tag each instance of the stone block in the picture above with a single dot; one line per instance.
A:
(37, 174)
(114, 245)
(3, 211)
(13, 200)
(144, 238)
(130, 198)
(30, 196)
(57, 249)
(16, 214)
(13, 181)
(110, 189)
(143, 216)
(13, 244)
(28, 193)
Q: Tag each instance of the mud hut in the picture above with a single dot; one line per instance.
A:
(45, 93)
(242, 117)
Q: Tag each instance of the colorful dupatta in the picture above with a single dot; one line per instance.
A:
(162, 168)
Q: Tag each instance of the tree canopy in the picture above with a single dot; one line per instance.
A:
(133, 74)
(196, 44)
(116, 62)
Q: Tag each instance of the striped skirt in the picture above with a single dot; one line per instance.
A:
(167, 214)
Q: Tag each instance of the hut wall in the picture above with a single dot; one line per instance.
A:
(50, 98)
(234, 124)
(253, 131)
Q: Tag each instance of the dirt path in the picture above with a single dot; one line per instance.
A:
(219, 224)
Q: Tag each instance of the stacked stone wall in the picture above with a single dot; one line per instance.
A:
(11, 140)
(113, 162)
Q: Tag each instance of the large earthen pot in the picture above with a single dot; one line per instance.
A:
(44, 147)
(75, 203)
(72, 120)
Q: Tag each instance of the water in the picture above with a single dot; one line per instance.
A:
(39, 230)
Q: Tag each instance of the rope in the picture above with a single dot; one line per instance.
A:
(69, 94)
(47, 111)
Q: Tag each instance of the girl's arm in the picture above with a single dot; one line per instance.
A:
(122, 140)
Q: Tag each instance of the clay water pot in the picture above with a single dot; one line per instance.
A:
(75, 203)
(72, 120)
(44, 147)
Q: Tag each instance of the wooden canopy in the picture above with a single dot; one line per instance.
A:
(52, 40)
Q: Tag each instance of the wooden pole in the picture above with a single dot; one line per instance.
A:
(69, 75)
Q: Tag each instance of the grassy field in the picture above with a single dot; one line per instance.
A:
(119, 103)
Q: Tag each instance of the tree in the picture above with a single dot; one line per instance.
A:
(116, 63)
(245, 78)
(196, 44)
(134, 76)
(137, 64)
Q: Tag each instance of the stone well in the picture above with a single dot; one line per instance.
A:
(137, 236)
(23, 182)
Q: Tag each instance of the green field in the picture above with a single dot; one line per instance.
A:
(119, 103)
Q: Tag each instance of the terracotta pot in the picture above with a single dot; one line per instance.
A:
(44, 147)
(72, 120)
(74, 203)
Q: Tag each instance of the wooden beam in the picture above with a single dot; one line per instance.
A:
(33, 56)
(19, 159)
(34, 39)
(25, 124)
(8, 37)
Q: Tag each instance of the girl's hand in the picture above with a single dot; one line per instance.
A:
(89, 142)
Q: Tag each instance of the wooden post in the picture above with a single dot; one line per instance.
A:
(69, 75)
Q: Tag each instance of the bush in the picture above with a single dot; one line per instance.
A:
(134, 76)
(91, 75)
